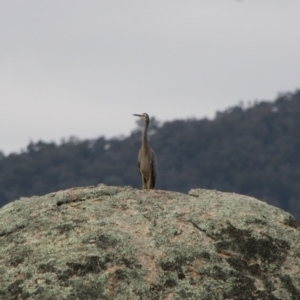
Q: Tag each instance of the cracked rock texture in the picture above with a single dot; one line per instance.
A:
(109, 242)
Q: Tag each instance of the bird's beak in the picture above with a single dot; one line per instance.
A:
(137, 115)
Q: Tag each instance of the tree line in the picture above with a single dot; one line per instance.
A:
(251, 150)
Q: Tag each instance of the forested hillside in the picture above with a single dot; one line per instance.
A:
(249, 150)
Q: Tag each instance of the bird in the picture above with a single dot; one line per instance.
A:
(146, 157)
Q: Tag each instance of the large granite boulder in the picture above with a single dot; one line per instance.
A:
(110, 242)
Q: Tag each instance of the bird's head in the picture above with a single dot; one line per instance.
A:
(143, 116)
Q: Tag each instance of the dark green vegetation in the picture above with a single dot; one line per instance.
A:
(252, 151)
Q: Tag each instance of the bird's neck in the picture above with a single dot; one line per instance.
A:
(145, 137)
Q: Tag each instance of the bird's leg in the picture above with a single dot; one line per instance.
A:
(143, 183)
(149, 182)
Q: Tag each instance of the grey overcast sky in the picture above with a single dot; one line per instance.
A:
(82, 68)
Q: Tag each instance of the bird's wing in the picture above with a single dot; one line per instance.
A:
(153, 167)
(139, 161)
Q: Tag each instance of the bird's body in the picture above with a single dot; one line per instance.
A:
(145, 164)
(146, 158)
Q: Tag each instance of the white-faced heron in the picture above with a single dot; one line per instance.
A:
(146, 157)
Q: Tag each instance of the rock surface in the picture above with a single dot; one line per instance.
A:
(110, 242)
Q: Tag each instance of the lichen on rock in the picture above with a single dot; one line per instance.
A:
(110, 242)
